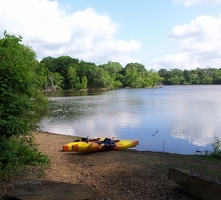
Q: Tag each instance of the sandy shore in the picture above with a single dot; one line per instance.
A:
(126, 174)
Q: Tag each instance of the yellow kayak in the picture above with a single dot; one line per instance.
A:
(99, 144)
(68, 147)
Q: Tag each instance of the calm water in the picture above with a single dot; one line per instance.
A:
(175, 119)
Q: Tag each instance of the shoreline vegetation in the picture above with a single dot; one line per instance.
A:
(67, 73)
(131, 173)
(136, 175)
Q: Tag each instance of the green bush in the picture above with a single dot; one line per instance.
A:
(20, 95)
(18, 152)
(216, 147)
(20, 101)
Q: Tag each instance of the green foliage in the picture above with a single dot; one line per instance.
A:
(110, 75)
(72, 76)
(113, 69)
(153, 79)
(20, 86)
(216, 147)
(136, 76)
(132, 78)
(99, 78)
(84, 82)
(81, 85)
(17, 152)
(113, 74)
(216, 152)
(216, 75)
(117, 84)
(61, 66)
(198, 76)
(21, 78)
(56, 80)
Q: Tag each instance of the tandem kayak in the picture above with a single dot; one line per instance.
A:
(99, 144)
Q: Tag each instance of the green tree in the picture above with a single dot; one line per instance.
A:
(114, 70)
(49, 63)
(176, 80)
(41, 75)
(72, 76)
(141, 70)
(137, 76)
(176, 77)
(216, 74)
(163, 73)
(84, 82)
(78, 84)
(84, 69)
(194, 77)
(99, 78)
(216, 147)
(152, 79)
(132, 78)
(21, 78)
(187, 77)
(56, 80)
(19, 86)
(60, 65)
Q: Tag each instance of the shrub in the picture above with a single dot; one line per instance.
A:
(17, 152)
(216, 147)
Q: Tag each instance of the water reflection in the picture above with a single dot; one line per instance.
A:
(197, 118)
(177, 119)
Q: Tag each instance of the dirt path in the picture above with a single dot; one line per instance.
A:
(127, 174)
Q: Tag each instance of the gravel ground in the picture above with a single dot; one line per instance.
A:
(126, 174)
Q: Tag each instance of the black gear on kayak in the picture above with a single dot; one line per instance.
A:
(107, 142)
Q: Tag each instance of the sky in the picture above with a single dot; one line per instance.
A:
(160, 34)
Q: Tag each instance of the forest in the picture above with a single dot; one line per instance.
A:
(68, 73)
(206, 76)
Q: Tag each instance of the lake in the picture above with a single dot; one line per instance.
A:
(174, 119)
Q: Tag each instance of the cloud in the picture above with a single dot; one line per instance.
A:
(52, 30)
(193, 2)
(199, 44)
(182, 60)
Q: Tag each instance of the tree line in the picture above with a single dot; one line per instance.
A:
(197, 76)
(67, 73)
